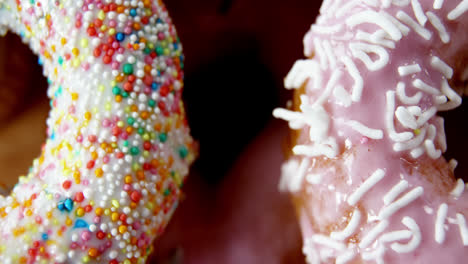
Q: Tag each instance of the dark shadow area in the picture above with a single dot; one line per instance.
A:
(228, 102)
(456, 130)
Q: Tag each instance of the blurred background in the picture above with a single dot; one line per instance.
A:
(237, 54)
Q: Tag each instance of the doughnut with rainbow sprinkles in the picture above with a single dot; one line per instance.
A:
(118, 148)
(366, 170)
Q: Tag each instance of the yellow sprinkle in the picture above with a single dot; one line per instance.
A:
(107, 212)
(115, 203)
(103, 28)
(112, 31)
(101, 15)
(63, 41)
(120, 124)
(68, 222)
(101, 88)
(76, 63)
(84, 42)
(76, 51)
(80, 212)
(122, 229)
(108, 106)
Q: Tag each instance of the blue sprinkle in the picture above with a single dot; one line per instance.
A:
(176, 46)
(68, 204)
(120, 36)
(133, 12)
(154, 86)
(45, 236)
(39, 61)
(61, 207)
(52, 136)
(80, 223)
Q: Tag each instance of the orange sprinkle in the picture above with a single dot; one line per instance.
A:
(134, 108)
(128, 179)
(147, 68)
(122, 229)
(118, 98)
(93, 252)
(144, 115)
(120, 9)
(29, 212)
(119, 78)
(68, 222)
(129, 130)
(133, 205)
(140, 175)
(155, 163)
(136, 46)
(63, 41)
(103, 145)
(99, 211)
(94, 155)
(136, 26)
(158, 127)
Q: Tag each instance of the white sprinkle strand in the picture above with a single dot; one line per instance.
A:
(414, 242)
(320, 52)
(328, 242)
(396, 190)
(409, 69)
(320, 29)
(441, 66)
(361, 51)
(366, 186)
(438, 4)
(440, 223)
(435, 21)
(404, 29)
(453, 163)
(350, 228)
(431, 150)
(336, 75)
(405, 18)
(389, 112)
(406, 118)
(364, 130)
(455, 99)
(329, 52)
(373, 17)
(395, 236)
(342, 96)
(408, 198)
(418, 83)
(426, 115)
(327, 148)
(418, 12)
(412, 143)
(459, 187)
(373, 233)
(302, 71)
(459, 10)
(400, 90)
(295, 182)
(356, 75)
(345, 257)
(463, 228)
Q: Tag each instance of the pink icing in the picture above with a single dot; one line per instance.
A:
(324, 204)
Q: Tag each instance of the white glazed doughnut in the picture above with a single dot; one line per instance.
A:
(118, 146)
(366, 170)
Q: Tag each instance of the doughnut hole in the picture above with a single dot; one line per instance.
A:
(23, 109)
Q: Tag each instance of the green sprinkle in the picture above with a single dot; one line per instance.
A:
(134, 151)
(183, 152)
(130, 120)
(163, 137)
(116, 90)
(128, 69)
(152, 103)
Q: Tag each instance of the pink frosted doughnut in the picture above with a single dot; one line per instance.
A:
(118, 149)
(366, 170)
